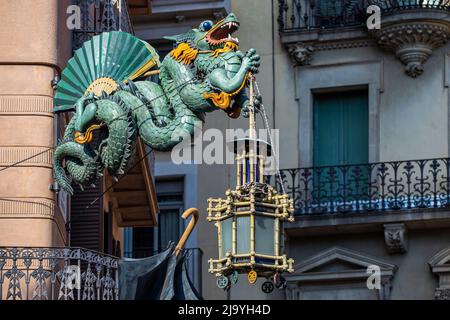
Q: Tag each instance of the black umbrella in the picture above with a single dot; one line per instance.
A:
(160, 277)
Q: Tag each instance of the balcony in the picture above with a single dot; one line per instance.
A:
(32, 273)
(99, 16)
(410, 191)
(298, 15)
(50, 274)
(411, 29)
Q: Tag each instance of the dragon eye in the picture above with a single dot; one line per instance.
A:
(206, 25)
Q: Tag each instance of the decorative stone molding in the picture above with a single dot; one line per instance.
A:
(395, 237)
(413, 43)
(440, 266)
(344, 45)
(300, 53)
(34, 156)
(442, 294)
(29, 105)
(319, 270)
(25, 207)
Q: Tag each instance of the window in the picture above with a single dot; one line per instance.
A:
(341, 128)
(341, 138)
(170, 199)
(144, 242)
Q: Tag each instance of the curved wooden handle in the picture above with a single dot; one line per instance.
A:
(187, 232)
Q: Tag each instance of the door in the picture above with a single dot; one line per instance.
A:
(341, 136)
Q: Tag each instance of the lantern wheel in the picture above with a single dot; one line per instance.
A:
(252, 276)
(234, 276)
(222, 282)
(267, 287)
(281, 284)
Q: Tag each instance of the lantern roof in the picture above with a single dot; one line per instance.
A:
(263, 147)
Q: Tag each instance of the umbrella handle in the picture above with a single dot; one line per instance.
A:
(187, 232)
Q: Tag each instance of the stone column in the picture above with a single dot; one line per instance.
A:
(34, 46)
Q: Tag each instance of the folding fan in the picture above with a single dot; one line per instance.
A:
(100, 64)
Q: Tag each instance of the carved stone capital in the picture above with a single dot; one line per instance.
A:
(395, 237)
(413, 43)
(300, 53)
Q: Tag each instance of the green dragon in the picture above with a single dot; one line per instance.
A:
(204, 72)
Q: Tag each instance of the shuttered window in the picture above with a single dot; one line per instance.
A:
(86, 228)
(170, 199)
(341, 137)
(341, 128)
(141, 242)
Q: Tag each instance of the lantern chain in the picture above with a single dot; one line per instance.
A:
(269, 131)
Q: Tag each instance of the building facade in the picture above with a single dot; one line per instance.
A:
(363, 119)
(364, 131)
(46, 236)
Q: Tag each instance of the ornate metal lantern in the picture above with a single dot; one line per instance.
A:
(250, 220)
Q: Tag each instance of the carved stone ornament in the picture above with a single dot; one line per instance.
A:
(413, 43)
(395, 237)
(442, 294)
(301, 53)
(440, 266)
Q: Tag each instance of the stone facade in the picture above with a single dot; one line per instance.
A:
(408, 119)
(32, 53)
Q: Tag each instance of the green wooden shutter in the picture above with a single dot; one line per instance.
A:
(341, 133)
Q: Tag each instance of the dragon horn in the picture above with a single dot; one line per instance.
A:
(171, 38)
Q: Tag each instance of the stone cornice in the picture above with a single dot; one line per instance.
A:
(368, 222)
(344, 45)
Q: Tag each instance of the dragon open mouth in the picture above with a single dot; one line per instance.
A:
(221, 33)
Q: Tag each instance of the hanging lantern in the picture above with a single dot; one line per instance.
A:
(250, 220)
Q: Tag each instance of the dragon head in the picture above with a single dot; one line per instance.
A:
(210, 36)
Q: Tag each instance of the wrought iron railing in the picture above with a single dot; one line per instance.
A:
(400, 5)
(396, 185)
(296, 15)
(99, 16)
(31, 273)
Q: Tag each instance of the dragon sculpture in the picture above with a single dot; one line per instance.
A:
(204, 72)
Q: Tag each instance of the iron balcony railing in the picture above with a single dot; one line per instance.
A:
(402, 5)
(44, 273)
(298, 15)
(32, 273)
(99, 16)
(396, 185)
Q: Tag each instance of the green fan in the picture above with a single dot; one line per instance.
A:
(100, 64)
